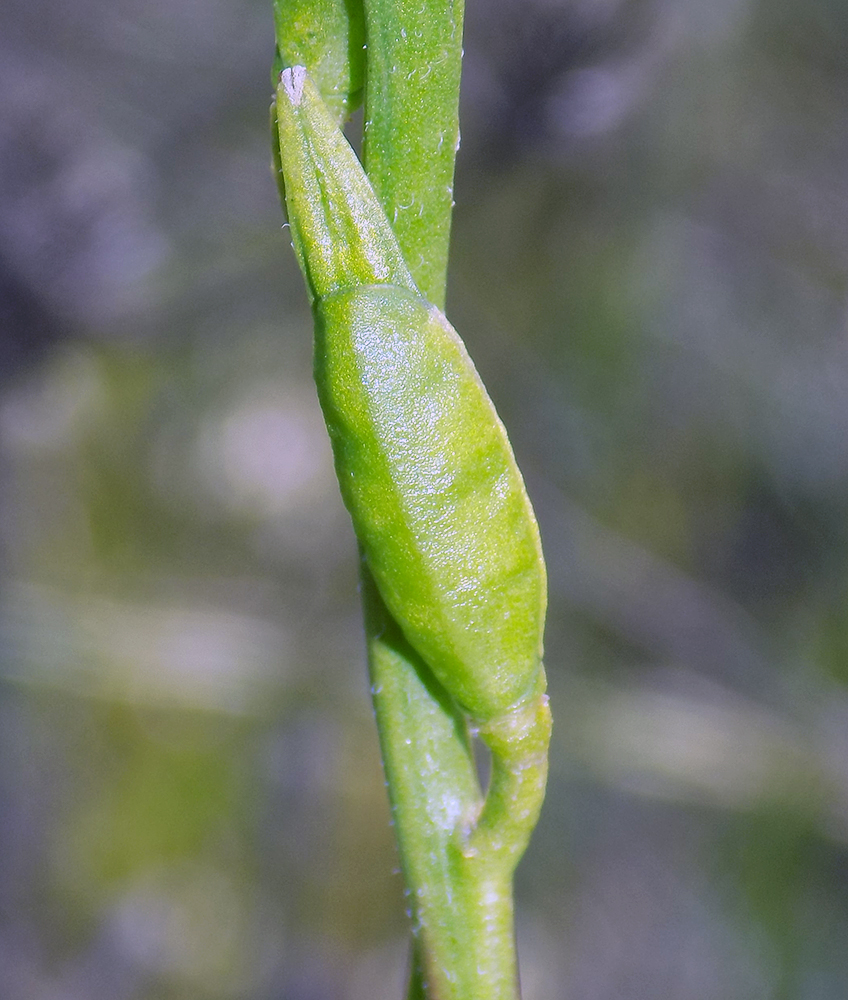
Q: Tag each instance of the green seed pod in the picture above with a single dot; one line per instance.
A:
(437, 501)
(424, 463)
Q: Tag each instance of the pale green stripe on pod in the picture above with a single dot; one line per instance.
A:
(424, 463)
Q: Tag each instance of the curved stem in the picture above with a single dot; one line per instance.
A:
(518, 742)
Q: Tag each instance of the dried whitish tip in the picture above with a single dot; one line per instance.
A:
(293, 80)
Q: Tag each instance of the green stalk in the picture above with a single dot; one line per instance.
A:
(433, 790)
(466, 947)
(458, 849)
(424, 742)
(402, 41)
(411, 136)
(414, 56)
(328, 37)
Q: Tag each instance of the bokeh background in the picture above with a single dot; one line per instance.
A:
(650, 267)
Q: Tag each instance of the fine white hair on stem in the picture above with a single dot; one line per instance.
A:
(293, 80)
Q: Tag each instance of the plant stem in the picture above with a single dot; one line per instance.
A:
(459, 881)
(392, 155)
(414, 50)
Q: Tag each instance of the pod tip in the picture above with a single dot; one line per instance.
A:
(293, 80)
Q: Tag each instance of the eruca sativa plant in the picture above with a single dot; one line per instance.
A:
(453, 577)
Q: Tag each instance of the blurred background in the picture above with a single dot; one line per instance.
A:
(650, 267)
